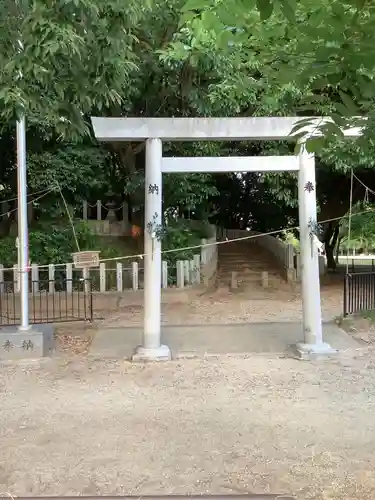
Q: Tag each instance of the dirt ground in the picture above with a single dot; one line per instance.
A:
(280, 302)
(76, 425)
(83, 426)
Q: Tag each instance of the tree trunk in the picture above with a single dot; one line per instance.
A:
(330, 239)
(338, 249)
(331, 261)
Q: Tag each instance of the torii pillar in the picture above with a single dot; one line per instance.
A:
(312, 344)
(152, 349)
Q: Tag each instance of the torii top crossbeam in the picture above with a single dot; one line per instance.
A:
(202, 129)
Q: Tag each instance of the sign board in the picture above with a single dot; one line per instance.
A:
(85, 260)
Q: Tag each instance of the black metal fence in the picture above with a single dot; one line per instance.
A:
(360, 265)
(49, 302)
(359, 292)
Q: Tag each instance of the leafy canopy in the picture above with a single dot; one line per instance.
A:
(62, 59)
(327, 47)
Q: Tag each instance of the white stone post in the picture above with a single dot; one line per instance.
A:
(192, 272)
(197, 268)
(289, 257)
(187, 271)
(164, 275)
(51, 278)
(69, 278)
(84, 210)
(152, 349)
(16, 278)
(102, 277)
(98, 210)
(311, 305)
(180, 272)
(34, 278)
(203, 251)
(135, 276)
(2, 284)
(119, 280)
(86, 278)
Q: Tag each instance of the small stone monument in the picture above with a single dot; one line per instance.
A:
(111, 215)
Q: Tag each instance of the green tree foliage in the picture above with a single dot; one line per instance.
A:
(82, 57)
(326, 48)
(79, 169)
(287, 58)
(49, 243)
(62, 59)
(357, 229)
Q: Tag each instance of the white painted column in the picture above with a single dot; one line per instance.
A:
(311, 304)
(152, 349)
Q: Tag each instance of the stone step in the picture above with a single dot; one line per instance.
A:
(241, 272)
(244, 261)
(248, 260)
(245, 247)
(244, 258)
(229, 258)
(251, 265)
(232, 255)
(246, 276)
(239, 265)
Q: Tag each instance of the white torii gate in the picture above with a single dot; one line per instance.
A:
(154, 131)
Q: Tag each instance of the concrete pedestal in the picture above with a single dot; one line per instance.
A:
(308, 352)
(37, 342)
(161, 353)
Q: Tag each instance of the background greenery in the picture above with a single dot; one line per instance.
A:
(151, 58)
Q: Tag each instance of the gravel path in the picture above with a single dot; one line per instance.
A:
(229, 425)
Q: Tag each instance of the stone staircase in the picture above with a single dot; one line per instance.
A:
(248, 260)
